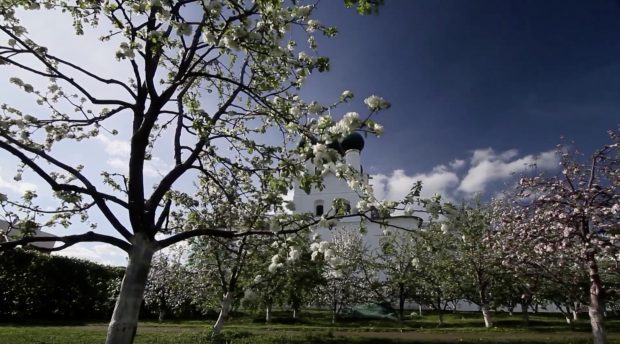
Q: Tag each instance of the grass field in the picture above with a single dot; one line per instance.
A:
(314, 327)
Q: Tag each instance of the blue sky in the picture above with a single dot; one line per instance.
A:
(479, 90)
(466, 76)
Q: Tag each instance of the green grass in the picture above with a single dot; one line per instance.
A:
(315, 327)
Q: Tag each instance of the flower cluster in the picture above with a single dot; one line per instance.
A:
(376, 103)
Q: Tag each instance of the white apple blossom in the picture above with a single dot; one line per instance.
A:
(335, 261)
(294, 255)
(329, 253)
(313, 25)
(415, 262)
(302, 56)
(346, 95)
(377, 129)
(315, 107)
(324, 245)
(375, 103)
(336, 273)
(445, 228)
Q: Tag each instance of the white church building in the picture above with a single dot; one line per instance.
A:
(319, 201)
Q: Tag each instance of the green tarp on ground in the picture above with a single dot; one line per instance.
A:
(372, 311)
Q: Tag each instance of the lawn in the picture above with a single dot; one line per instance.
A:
(314, 327)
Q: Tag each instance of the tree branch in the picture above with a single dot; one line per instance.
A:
(68, 241)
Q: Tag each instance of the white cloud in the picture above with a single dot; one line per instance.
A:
(9, 185)
(457, 163)
(17, 187)
(485, 167)
(118, 163)
(398, 184)
(98, 253)
(115, 147)
(155, 167)
(488, 166)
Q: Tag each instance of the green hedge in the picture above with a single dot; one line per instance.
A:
(40, 286)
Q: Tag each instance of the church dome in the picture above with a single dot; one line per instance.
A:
(334, 145)
(353, 141)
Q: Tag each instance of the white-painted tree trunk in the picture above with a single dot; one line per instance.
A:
(224, 310)
(124, 324)
(486, 314)
(420, 310)
(268, 314)
(294, 313)
(595, 310)
(575, 315)
(596, 307)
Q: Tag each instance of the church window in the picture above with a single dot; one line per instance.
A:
(318, 208)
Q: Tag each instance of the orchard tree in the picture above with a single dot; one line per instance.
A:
(576, 216)
(343, 257)
(302, 275)
(395, 259)
(436, 270)
(535, 276)
(290, 278)
(476, 258)
(210, 83)
(220, 269)
(167, 286)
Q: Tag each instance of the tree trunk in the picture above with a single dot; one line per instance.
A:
(268, 313)
(440, 312)
(576, 307)
(401, 303)
(596, 308)
(224, 310)
(525, 312)
(419, 310)
(294, 313)
(486, 314)
(162, 306)
(124, 324)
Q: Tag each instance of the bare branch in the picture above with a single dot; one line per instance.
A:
(68, 241)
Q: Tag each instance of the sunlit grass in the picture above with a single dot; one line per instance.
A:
(315, 327)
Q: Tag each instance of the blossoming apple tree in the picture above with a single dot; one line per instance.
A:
(209, 85)
(396, 258)
(575, 218)
(166, 286)
(476, 258)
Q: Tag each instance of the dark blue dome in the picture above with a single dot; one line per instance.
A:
(334, 145)
(353, 141)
